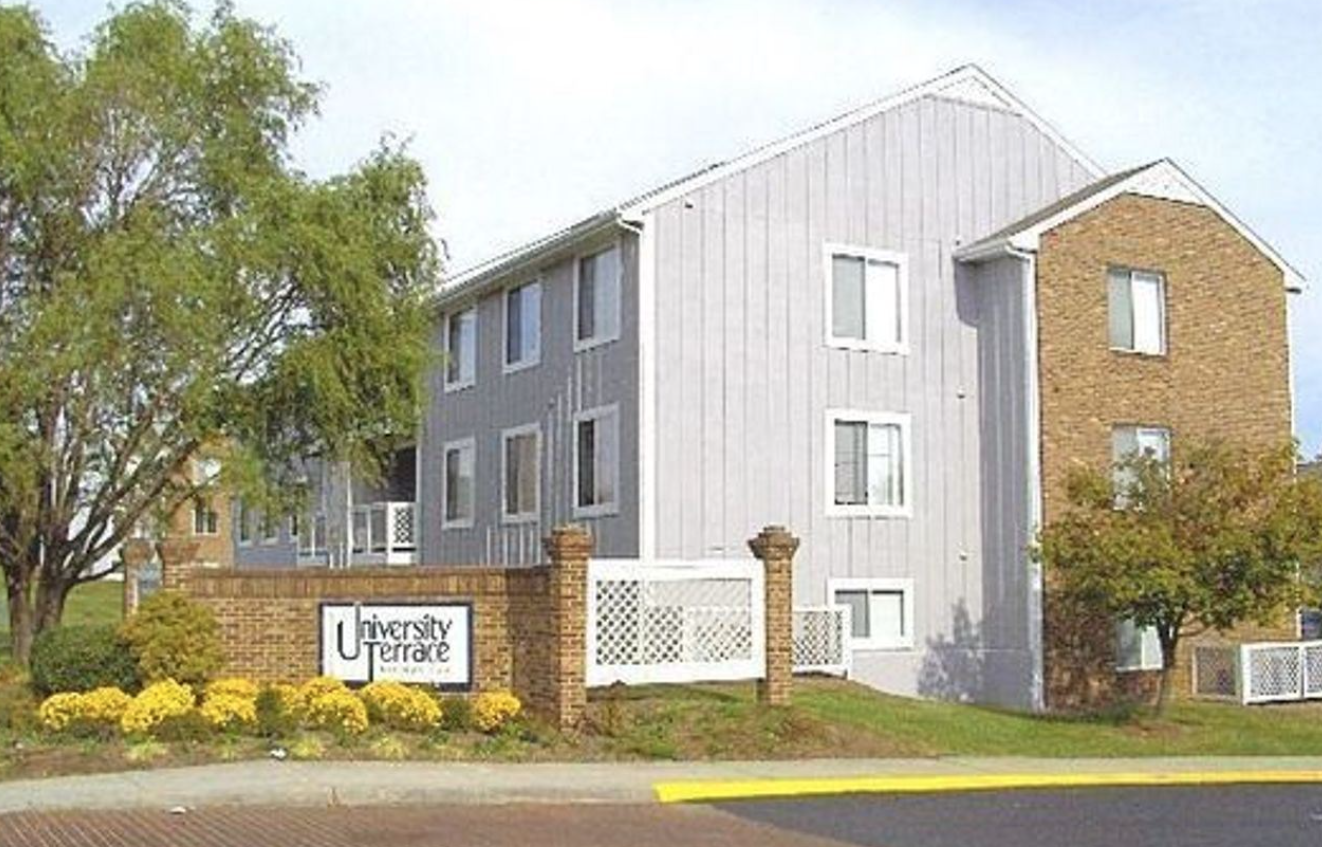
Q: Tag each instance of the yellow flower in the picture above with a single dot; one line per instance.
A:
(57, 711)
(227, 710)
(244, 689)
(157, 702)
(493, 709)
(400, 707)
(104, 705)
(317, 686)
(339, 711)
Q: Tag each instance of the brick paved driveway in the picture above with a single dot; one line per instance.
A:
(479, 826)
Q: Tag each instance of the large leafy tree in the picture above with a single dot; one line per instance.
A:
(170, 283)
(1221, 536)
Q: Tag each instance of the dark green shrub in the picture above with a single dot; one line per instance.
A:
(80, 658)
(187, 727)
(456, 714)
(174, 637)
(274, 719)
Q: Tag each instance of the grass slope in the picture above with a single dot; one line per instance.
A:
(91, 603)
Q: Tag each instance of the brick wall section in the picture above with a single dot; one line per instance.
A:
(1225, 375)
(776, 548)
(269, 618)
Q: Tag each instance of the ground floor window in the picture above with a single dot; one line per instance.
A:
(1137, 648)
(457, 491)
(206, 521)
(521, 473)
(596, 461)
(881, 615)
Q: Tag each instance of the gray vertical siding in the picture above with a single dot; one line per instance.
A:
(744, 378)
(549, 393)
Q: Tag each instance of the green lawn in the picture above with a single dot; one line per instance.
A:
(93, 603)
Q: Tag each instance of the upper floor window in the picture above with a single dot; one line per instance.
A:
(461, 349)
(1137, 308)
(597, 299)
(867, 464)
(521, 473)
(244, 520)
(523, 326)
(457, 492)
(867, 299)
(206, 521)
(596, 461)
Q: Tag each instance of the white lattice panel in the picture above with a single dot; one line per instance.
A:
(401, 525)
(1272, 672)
(1216, 671)
(821, 639)
(674, 622)
(1313, 669)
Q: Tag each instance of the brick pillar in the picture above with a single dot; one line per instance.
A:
(178, 557)
(775, 547)
(569, 547)
(135, 553)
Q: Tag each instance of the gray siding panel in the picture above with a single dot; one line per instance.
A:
(744, 377)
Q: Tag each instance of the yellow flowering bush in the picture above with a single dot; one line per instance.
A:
(156, 704)
(244, 689)
(493, 709)
(58, 711)
(339, 711)
(229, 711)
(400, 707)
(100, 707)
(318, 686)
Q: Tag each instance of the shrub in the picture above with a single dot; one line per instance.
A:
(18, 708)
(492, 710)
(400, 707)
(80, 658)
(173, 637)
(456, 714)
(157, 704)
(59, 711)
(244, 689)
(229, 711)
(104, 706)
(338, 711)
(276, 711)
(316, 687)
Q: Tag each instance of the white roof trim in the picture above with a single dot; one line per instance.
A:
(969, 84)
(1163, 179)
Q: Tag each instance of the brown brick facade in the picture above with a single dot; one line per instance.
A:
(1225, 373)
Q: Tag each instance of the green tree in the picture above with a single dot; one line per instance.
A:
(169, 281)
(1214, 539)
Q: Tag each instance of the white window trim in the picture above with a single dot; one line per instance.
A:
(531, 516)
(1162, 319)
(893, 257)
(596, 341)
(458, 385)
(469, 443)
(1145, 663)
(207, 507)
(903, 585)
(612, 507)
(529, 362)
(241, 525)
(837, 510)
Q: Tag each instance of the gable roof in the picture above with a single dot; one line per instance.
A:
(1162, 178)
(968, 84)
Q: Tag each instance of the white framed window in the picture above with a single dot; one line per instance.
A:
(1130, 440)
(461, 349)
(597, 461)
(459, 460)
(244, 523)
(1137, 310)
(523, 326)
(597, 298)
(868, 464)
(1137, 648)
(520, 473)
(295, 526)
(880, 611)
(270, 528)
(206, 520)
(867, 299)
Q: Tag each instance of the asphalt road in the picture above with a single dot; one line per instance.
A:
(1279, 816)
(1231, 816)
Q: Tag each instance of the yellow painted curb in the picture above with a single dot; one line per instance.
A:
(693, 791)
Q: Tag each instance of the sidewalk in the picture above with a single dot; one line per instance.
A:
(266, 783)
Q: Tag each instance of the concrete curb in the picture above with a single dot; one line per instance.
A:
(709, 791)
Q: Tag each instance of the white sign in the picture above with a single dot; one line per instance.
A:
(426, 643)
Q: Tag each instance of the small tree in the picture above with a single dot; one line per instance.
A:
(1210, 541)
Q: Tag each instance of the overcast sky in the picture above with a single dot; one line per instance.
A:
(530, 115)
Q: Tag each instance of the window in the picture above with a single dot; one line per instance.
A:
(596, 462)
(206, 521)
(1137, 648)
(1137, 311)
(867, 464)
(597, 299)
(270, 528)
(294, 525)
(867, 299)
(1127, 441)
(523, 326)
(880, 612)
(245, 523)
(457, 495)
(461, 349)
(521, 474)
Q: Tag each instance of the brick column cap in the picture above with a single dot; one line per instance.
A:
(177, 551)
(568, 541)
(773, 542)
(135, 552)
